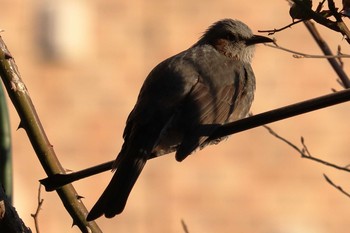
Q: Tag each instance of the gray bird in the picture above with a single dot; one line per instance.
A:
(181, 103)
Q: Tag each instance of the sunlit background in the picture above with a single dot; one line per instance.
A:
(84, 63)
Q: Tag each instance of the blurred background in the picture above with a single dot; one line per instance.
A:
(84, 62)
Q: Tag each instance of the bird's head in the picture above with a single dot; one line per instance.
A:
(233, 38)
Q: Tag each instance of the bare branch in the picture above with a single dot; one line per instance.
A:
(184, 226)
(336, 186)
(304, 55)
(273, 31)
(304, 152)
(36, 214)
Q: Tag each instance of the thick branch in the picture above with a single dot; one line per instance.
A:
(282, 113)
(30, 122)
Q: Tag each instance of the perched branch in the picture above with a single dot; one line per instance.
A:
(282, 113)
(30, 122)
(54, 182)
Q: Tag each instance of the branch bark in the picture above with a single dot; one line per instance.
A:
(30, 122)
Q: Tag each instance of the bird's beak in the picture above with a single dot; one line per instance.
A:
(256, 39)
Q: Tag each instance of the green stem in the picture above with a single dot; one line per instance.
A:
(5, 147)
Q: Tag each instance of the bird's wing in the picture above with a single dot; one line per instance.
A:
(203, 113)
(211, 103)
(160, 99)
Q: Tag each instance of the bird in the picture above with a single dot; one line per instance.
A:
(183, 100)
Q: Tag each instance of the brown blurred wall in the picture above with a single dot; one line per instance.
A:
(84, 62)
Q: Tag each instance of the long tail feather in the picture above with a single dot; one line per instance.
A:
(113, 199)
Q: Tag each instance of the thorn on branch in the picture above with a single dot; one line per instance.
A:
(80, 197)
(320, 6)
(8, 56)
(20, 125)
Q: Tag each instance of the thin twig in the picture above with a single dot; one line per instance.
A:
(273, 31)
(341, 63)
(304, 152)
(184, 226)
(36, 214)
(273, 133)
(336, 186)
(304, 55)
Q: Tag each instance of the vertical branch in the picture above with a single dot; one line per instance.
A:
(327, 51)
(5, 147)
(30, 122)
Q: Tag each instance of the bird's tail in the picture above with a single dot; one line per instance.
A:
(113, 199)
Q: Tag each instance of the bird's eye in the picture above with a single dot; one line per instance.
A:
(230, 37)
